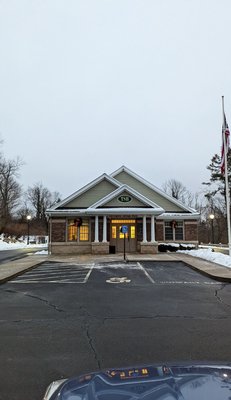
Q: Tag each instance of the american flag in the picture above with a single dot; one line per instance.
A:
(225, 146)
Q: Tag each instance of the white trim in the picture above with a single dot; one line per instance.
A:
(96, 229)
(153, 239)
(178, 216)
(85, 189)
(104, 229)
(105, 211)
(130, 191)
(151, 186)
(144, 229)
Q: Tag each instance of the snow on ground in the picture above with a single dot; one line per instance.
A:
(206, 254)
(42, 252)
(18, 245)
(209, 255)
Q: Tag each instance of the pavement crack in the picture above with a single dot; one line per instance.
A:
(218, 297)
(86, 327)
(37, 298)
(45, 301)
(91, 344)
(162, 316)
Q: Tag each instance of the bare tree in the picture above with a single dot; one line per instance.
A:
(10, 189)
(41, 198)
(177, 190)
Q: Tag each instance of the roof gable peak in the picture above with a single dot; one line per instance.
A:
(123, 168)
(85, 188)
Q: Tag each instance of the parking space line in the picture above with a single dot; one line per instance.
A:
(88, 274)
(185, 283)
(46, 282)
(74, 274)
(145, 272)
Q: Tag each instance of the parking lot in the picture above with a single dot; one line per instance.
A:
(63, 319)
(137, 273)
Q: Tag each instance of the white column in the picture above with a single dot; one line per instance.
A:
(153, 239)
(96, 228)
(144, 229)
(104, 228)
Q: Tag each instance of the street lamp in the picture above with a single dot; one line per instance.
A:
(28, 228)
(211, 216)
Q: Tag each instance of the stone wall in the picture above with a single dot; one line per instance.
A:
(148, 248)
(100, 248)
(70, 248)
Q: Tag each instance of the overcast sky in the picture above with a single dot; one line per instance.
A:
(89, 85)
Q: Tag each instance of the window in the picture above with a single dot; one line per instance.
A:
(71, 231)
(113, 232)
(133, 232)
(174, 230)
(77, 234)
(168, 231)
(179, 233)
(123, 221)
(84, 233)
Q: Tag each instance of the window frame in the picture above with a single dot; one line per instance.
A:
(174, 230)
(85, 224)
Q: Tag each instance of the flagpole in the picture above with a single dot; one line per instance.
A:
(226, 178)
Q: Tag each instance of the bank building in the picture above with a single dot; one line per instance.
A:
(90, 220)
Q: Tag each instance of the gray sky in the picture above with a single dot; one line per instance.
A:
(89, 85)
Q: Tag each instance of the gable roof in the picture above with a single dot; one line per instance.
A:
(84, 189)
(129, 190)
(128, 171)
(99, 196)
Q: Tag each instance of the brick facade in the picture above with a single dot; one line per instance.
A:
(159, 231)
(58, 231)
(191, 230)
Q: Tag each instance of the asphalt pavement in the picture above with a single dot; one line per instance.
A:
(65, 316)
(16, 267)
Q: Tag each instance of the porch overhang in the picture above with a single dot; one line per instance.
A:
(178, 216)
(105, 211)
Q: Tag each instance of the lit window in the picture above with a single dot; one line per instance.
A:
(133, 232)
(75, 233)
(84, 233)
(113, 232)
(123, 221)
(72, 230)
(121, 234)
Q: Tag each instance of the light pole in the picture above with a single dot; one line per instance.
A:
(211, 216)
(28, 228)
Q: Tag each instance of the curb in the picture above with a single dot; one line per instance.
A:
(16, 274)
(206, 273)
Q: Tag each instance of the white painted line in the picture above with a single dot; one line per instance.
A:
(88, 274)
(145, 272)
(185, 283)
(45, 282)
(56, 273)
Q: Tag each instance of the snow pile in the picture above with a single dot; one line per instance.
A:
(209, 255)
(42, 252)
(18, 245)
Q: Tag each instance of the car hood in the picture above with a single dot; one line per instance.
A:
(151, 382)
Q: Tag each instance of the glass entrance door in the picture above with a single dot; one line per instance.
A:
(117, 237)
